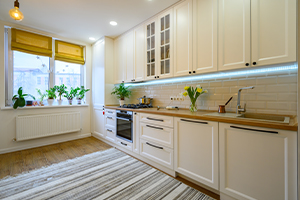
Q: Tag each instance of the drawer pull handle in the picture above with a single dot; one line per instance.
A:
(160, 120)
(110, 112)
(120, 118)
(256, 130)
(109, 117)
(185, 120)
(154, 127)
(154, 146)
(109, 130)
(124, 144)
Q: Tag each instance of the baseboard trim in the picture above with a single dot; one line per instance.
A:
(9, 150)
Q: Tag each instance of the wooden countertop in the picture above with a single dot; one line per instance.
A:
(185, 113)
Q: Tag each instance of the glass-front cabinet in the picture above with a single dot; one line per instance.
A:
(159, 46)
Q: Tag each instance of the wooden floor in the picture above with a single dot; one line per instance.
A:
(26, 160)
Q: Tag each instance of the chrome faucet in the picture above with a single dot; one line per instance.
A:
(239, 109)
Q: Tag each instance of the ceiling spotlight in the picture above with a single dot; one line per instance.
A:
(113, 23)
(15, 13)
(91, 38)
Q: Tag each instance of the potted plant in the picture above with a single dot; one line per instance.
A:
(121, 92)
(81, 94)
(193, 94)
(61, 90)
(70, 95)
(51, 95)
(42, 96)
(19, 100)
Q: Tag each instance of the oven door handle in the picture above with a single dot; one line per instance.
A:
(120, 118)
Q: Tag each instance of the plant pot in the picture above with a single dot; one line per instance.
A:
(41, 103)
(50, 102)
(121, 102)
(79, 101)
(70, 101)
(59, 102)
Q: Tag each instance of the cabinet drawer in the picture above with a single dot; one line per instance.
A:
(124, 144)
(110, 121)
(157, 153)
(110, 134)
(110, 112)
(160, 135)
(157, 119)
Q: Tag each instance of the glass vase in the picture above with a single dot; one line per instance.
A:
(193, 107)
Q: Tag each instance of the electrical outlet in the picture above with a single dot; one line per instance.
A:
(172, 98)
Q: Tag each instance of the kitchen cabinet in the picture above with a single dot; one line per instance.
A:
(196, 150)
(120, 59)
(257, 163)
(102, 83)
(151, 28)
(183, 38)
(136, 133)
(129, 51)
(205, 36)
(139, 53)
(270, 40)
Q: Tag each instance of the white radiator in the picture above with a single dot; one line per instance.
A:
(44, 125)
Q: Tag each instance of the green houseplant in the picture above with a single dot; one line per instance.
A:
(51, 94)
(81, 94)
(121, 92)
(42, 97)
(193, 94)
(61, 90)
(19, 100)
(70, 95)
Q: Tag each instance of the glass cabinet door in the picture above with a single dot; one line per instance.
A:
(151, 49)
(165, 44)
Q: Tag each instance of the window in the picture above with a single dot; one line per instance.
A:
(30, 63)
(26, 69)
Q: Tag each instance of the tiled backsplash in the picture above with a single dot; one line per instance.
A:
(274, 93)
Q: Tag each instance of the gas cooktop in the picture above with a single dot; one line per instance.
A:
(136, 106)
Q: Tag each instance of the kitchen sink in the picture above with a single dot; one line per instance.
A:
(251, 116)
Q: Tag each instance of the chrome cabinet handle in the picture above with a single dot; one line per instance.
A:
(109, 130)
(109, 117)
(154, 146)
(129, 120)
(124, 144)
(256, 130)
(110, 112)
(154, 127)
(185, 120)
(160, 120)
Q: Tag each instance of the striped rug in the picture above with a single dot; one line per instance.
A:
(109, 174)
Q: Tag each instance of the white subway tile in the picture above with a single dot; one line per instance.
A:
(256, 104)
(230, 83)
(287, 79)
(287, 97)
(266, 97)
(247, 82)
(266, 80)
(222, 90)
(278, 105)
(293, 87)
(215, 84)
(277, 88)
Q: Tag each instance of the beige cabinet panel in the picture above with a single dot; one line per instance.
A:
(139, 53)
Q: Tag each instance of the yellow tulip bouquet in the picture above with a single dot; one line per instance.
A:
(193, 94)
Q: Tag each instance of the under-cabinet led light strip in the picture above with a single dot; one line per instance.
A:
(214, 75)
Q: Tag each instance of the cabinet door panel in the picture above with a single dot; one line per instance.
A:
(234, 34)
(258, 165)
(205, 35)
(139, 53)
(197, 150)
(120, 60)
(183, 47)
(129, 70)
(99, 123)
(273, 26)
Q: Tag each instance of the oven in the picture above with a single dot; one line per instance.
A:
(124, 125)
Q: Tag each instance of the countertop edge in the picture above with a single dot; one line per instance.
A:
(218, 119)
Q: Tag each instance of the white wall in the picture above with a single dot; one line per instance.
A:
(8, 117)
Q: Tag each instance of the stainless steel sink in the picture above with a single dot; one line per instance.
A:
(250, 116)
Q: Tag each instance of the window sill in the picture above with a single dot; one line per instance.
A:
(45, 107)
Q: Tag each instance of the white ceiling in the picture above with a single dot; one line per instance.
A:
(81, 19)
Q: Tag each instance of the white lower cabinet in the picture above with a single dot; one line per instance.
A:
(157, 153)
(136, 133)
(196, 150)
(124, 144)
(258, 163)
(110, 134)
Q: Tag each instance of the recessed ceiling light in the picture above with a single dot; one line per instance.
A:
(91, 38)
(113, 23)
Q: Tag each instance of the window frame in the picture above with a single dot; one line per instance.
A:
(9, 67)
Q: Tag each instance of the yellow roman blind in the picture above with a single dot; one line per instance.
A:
(69, 52)
(31, 43)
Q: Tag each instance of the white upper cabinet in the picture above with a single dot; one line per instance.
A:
(183, 40)
(120, 59)
(205, 36)
(165, 46)
(129, 70)
(234, 34)
(273, 29)
(139, 53)
(151, 51)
